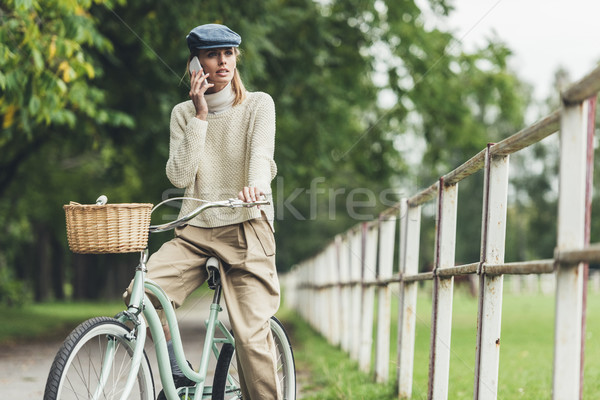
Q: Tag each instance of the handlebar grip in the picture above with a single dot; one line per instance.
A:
(232, 203)
(240, 203)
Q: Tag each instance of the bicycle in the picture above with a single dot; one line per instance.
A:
(104, 358)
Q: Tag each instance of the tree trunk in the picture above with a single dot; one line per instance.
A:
(58, 269)
(80, 268)
(43, 262)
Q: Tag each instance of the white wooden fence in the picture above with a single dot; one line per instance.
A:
(335, 290)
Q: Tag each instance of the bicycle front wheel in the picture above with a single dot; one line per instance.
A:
(94, 362)
(226, 381)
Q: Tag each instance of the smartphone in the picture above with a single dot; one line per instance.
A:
(195, 65)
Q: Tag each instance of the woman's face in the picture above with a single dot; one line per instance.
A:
(220, 64)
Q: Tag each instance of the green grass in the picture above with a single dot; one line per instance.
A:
(526, 354)
(49, 320)
(325, 372)
(56, 319)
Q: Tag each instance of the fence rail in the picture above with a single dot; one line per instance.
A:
(335, 290)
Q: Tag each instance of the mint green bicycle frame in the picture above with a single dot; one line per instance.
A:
(140, 303)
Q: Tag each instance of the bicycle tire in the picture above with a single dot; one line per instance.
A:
(75, 372)
(286, 368)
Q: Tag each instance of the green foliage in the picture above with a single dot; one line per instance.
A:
(456, 102)
(462, 101)
(87, 90)
(52, 143)
(13, 292)
(533, 204)
(46, 77)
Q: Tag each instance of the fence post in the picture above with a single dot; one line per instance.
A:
(289, 281)
(493, 234)
(355, 277)
(441, 315)
(308, 291)
(316, 293)
(410, 226)
(369, 268)
(324, 269)
(387, 233)
(312, 293)
(346, 293)
(571, 235)
(299, 297)
(302, 280)
(335, 292)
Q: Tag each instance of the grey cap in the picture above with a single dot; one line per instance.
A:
(211, 36)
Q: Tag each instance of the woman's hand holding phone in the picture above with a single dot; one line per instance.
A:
(198, 86)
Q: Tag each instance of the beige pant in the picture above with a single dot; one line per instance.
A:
(250, 287)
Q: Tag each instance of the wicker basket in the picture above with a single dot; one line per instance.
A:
(110, 228)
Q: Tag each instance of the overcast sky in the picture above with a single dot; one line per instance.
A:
(544, 35)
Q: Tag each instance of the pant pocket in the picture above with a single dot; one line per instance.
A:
(232, 235)
(264, 234)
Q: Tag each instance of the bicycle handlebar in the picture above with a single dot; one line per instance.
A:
(231, 203)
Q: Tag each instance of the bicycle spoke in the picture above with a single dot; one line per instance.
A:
(119, 376)
(102, 352)
(72, 388)
(94, 362)
(79, 373)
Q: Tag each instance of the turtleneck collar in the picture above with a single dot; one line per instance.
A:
(221, 100)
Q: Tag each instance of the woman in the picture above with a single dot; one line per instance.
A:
(221, 144)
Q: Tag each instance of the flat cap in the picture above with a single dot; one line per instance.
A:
(211, 36)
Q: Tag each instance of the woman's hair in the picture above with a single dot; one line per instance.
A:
(236, 83)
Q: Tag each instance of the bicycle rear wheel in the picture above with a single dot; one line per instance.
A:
(97, 345)
(226, 381)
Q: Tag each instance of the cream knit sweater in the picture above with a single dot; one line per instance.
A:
(216, 158)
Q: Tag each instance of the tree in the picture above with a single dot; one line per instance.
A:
(457, 102)
(48, 101)
(46, 79)
(113, 71)
(533, 226)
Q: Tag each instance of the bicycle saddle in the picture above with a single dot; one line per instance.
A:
(214, 276)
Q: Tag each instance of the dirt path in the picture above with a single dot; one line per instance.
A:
(24, 367)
